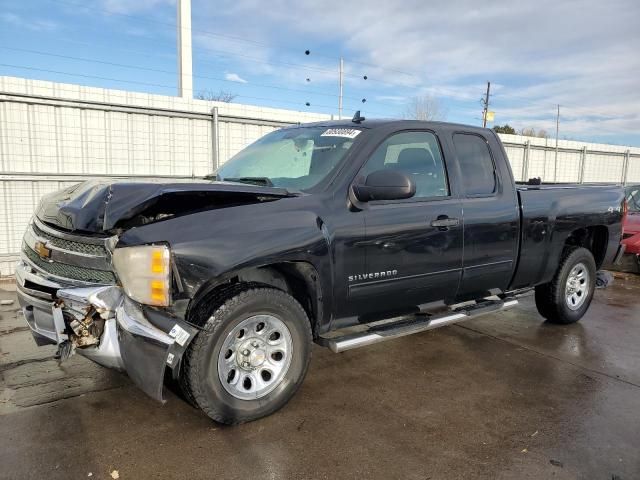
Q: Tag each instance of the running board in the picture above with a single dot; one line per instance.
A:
(378, 332)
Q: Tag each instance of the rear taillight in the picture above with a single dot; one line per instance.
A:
(625, 211)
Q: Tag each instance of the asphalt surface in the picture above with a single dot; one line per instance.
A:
(506, 396)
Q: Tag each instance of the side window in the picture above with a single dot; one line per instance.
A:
(417, 154)
(476, 165)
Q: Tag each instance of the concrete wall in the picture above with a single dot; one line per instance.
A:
(53, 135)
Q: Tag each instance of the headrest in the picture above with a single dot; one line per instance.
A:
(417, 159)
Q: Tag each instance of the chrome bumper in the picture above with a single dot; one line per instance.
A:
(129, 340)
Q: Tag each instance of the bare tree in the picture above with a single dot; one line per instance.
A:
(542, 133)
(531, 132)
(425, 107)
(221, 96)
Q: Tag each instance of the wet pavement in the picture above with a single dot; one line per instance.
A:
(505, 396)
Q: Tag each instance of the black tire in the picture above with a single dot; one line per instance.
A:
(199, 376)
(550, 297)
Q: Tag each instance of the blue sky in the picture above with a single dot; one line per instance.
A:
(582, 55)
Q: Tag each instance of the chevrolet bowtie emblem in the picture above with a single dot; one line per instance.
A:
(42, 250)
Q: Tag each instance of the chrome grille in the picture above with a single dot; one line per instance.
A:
(64, 256)
(63, 270)
(71, 245)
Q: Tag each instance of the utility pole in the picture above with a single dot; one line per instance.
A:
(485, 102)
(555, 166)
(185, 73)
(341, 81)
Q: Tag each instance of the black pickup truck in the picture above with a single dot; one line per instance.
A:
(342, 233)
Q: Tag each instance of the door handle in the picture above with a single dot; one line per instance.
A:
(443, 222)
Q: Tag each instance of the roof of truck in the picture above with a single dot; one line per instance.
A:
(383, 122)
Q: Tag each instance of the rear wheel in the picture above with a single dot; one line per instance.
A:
(567, 297)
(251, 356)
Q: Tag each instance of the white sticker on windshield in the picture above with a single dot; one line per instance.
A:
(341, 132)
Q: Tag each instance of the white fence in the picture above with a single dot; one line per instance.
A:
(572, 161)
(53, 135)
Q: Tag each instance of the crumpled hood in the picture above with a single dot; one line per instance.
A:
(100, 206)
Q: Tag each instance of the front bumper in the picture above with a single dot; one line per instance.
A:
(136, 339)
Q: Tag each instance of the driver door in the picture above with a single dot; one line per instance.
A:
(413, 247)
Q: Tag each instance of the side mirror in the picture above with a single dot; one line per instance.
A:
(385, 185)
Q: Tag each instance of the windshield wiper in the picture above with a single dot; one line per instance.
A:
(261, 181)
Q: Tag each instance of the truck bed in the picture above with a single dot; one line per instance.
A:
(551, 212)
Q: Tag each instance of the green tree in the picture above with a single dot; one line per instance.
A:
(506, 128)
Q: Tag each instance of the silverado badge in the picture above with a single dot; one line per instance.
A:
(373, 275)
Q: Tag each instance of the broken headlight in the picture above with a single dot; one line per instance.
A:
(145, 273)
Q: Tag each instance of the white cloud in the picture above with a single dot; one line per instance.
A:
(399, 99)
(581, 54)
(35, 24)
(234, 77)
(134, 6)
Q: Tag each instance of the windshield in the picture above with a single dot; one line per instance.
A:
(294, 158)
(633, 198)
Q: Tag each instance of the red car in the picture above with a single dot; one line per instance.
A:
(631, 236)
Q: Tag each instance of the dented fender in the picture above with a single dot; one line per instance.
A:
(150, 341)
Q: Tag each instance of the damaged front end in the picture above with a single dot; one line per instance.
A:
(82, 292)
(80, 316)
(96, 320)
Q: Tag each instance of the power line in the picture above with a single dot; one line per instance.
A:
(134, 82)
(232, 38)
(160, 85)
(170, 72)
(221, 53)
(111, 47)
(485, 110)
(551, 105)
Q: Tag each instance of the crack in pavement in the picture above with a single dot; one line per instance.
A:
(13, 330)
(61, 399)
(18, 363)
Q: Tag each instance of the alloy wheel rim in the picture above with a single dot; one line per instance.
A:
(577, 286)
(255, 357)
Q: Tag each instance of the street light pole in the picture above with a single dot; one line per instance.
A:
(185, 72)
(341, 81)
(555, 166)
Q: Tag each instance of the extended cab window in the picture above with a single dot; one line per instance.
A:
(417, 154)
(476, 164)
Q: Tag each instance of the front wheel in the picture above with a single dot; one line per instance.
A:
(251, 356)
(567, 297)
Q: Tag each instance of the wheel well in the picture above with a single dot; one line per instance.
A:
(594, 239)
(298, 279)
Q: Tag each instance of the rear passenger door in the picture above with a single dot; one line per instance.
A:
(410, 260)
(491, 215)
